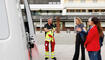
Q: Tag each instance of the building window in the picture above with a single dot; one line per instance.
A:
(96, 10)
(103, 10)
(78, 10)
(44, 12)
(83, 10)
(70, 10)
(42, 2)
(21, 1)
(90, 10)
(4, 29)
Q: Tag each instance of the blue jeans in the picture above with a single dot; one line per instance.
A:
(93, 55)
(99, 55)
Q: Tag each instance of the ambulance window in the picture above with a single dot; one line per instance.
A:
(4, 29)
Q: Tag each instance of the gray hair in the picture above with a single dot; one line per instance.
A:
(49, 18)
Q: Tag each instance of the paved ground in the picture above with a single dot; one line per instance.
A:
(64, 46)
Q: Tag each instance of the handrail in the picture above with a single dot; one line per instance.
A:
(31, 39)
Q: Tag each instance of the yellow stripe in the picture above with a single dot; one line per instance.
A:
(47, 54)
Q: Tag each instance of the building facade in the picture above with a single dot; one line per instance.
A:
(66, 10)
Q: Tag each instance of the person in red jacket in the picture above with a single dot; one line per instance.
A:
(92, 39)
(94, 33)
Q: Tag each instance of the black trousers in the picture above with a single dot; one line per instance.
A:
(79, 42)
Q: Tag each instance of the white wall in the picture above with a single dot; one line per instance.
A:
(103, 24)
(69, 24)
(37, 24)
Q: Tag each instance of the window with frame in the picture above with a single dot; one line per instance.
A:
(4, 28)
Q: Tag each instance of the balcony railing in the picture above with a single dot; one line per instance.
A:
(84, 13)
(47, 14)
(72, 13)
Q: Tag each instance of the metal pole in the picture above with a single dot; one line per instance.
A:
(31, 27)
(30, 22)
(40, 25)
(74, 23)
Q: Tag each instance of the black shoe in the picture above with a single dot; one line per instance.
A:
(54, 58)
(46, 58)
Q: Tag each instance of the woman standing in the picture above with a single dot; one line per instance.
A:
(79, 40)
(101, 41)
(92, 41)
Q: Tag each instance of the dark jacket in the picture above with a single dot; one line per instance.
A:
(80, 33)
(101, 40)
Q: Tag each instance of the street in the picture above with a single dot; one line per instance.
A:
(65, 46)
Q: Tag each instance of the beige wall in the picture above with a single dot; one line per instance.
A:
(87, 1)
(101, 0)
